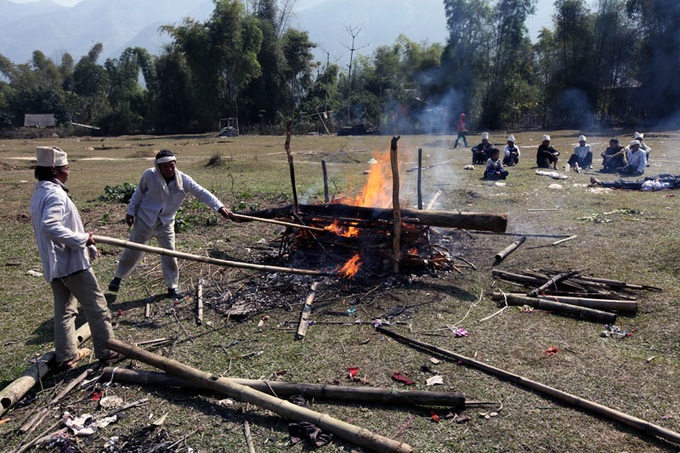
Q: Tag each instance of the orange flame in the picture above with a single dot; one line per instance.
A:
(351, 267)
(348, 232)
(377, 192)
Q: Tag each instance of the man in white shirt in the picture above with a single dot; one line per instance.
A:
(582, 156)
(152, 209)
(637, 161)
(66, 251)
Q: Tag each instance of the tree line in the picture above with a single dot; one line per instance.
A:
(610, 64)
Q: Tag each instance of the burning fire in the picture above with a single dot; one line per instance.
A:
(348, 232)
(351, 267)
(377, 193)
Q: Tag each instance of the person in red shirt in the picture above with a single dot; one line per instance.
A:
(461, 131)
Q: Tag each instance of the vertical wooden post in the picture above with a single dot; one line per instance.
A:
(325, 181)
(292, 167)
(420, 178)
(396, 239)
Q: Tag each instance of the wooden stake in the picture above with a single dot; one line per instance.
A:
(306, 311)
(642, 425)
(309, 391)
(359, 436)
(420, 178)
(203, 259)
(199, 302)
(500, 256)
(291, 166)
(326, 199)
(396, 239)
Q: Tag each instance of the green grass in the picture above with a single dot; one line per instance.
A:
(630, 236)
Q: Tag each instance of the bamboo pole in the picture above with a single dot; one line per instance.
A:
(306, 311)
(552, 281)
(619, 305)
(590, 314)
(20, 386)
(284, 389)
(500, 256)
(396, 239)
(276, 222)
(420, 178)
(359, 436)
(326, 199)
(203, 259)
(291, 166)
(199, 302)
(582, 403)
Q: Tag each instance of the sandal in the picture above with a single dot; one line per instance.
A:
(71, 363)
(112, 358)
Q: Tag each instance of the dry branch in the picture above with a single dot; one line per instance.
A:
(565, 397)
(309, 391)
(247, 218)
(203, 259)
(500, 256)
(359, 436)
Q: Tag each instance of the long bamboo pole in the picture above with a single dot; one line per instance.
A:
(324, 172)
(359, 436)
(291, 165)
(628, 306)
(396, 239)
(420, 178)
(283, 389)
(20, 386)
(500, 256)
(590, 314)
(203, 259)
(565, 397)
(277, 222)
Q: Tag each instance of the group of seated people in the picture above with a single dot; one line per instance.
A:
(628, 161)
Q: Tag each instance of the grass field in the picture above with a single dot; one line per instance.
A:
(624, 235)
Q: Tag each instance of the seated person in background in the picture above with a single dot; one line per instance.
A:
(613, 157)
(658, 182)
(643, 146)
(482, 152)
(636, 161)
(582, 157)
(546, 157)
(511, 153)
(494, 166)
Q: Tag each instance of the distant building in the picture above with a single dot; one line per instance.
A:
(39, 120)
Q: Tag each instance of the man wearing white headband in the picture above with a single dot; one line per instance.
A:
(636, 161)
(582, 156)
(151, 212)
(66, 252)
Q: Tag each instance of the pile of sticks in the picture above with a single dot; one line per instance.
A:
(570, 292)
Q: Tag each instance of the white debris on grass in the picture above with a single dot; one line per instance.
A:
(555, 187)
(552, 174)
(599, 189)
(469, 167)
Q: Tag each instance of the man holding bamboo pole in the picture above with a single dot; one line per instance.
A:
(151, 213)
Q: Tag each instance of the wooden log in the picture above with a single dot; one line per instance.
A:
(309, 391)
(420, 178)
(306, 311)
(344, 430)
(552, 281)
(446, 219)
(590, 314)
(203, 259)
(20, 386)
(500, 256)
(622, 306)
(582, 403)
(396, 210)
(325, 181)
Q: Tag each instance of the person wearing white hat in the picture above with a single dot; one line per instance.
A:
(582, 156)
(643, 146)
(636, 161)
(511, 152)
(151, 212)
(482, 152)
(66, 252)
(547, 156)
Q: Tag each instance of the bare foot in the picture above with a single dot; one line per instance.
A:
(594, 181)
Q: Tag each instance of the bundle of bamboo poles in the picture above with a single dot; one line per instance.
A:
(592, 298)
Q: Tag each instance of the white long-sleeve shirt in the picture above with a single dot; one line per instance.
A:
(58, 231)
(582, 151)
(637, 160)
(155, 199)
